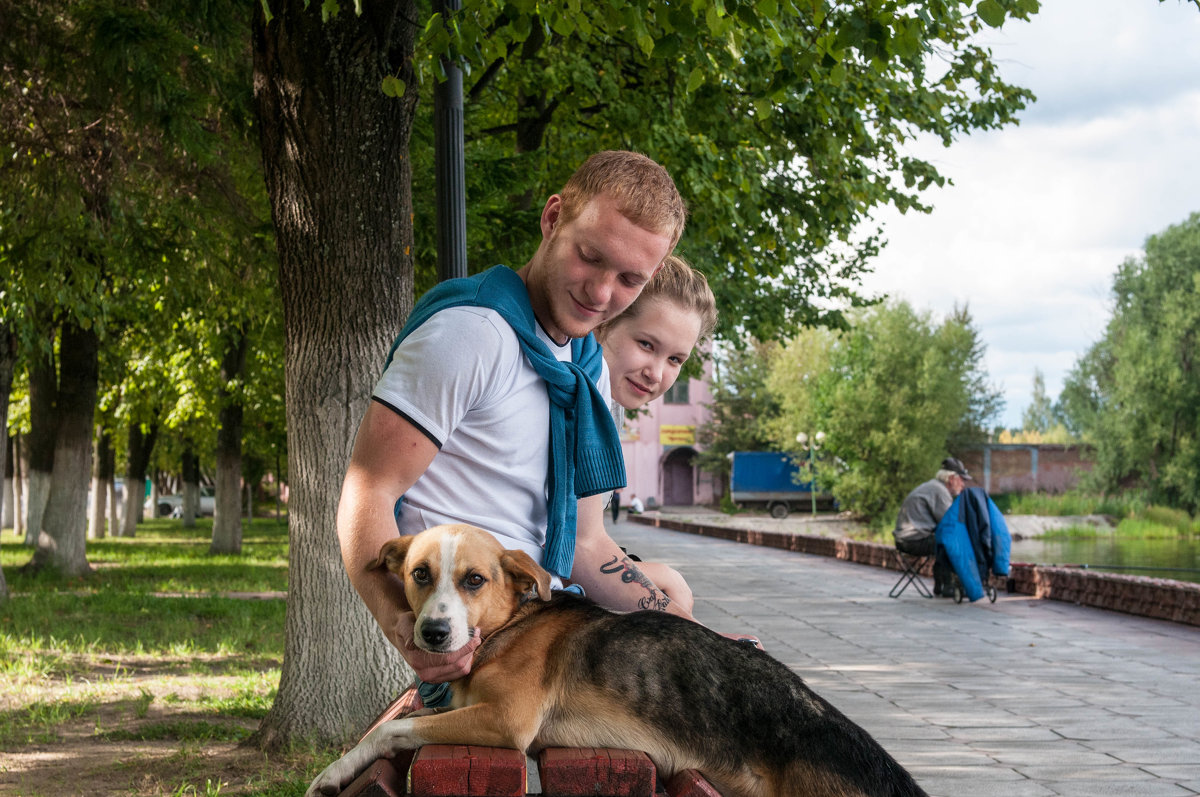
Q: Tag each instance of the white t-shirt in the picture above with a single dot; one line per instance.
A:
(462, 379)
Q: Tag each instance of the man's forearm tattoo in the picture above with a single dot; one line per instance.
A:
(630, 574)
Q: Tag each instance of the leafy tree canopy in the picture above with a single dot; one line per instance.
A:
(743, 408)
(1134, 394)
(784, 124)
(893, 394)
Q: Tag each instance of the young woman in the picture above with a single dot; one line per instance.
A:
(646, 346)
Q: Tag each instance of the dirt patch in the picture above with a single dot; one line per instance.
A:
(135, 727)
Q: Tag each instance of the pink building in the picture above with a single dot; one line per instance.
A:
(659, 445)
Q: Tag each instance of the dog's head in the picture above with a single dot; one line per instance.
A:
(457, 578)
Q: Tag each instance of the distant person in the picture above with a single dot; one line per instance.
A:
(919, 516)
(636, 507)
(615, 505)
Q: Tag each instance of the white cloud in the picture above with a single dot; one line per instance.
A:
(1041, 214)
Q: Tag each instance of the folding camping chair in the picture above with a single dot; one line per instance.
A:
(911, 566)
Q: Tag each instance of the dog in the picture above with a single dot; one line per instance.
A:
(560, 671)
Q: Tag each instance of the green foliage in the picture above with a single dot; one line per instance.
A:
(1040, 415)
(784, 125)
(743, 408)
(893, 395)
(1073, 502)
(1134, 394)
(131, 202)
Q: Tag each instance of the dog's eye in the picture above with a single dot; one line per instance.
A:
(474, 581)
(420, 575)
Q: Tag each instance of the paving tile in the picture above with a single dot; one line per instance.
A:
(1021, 697)
(1105, 788)
(1067, 771)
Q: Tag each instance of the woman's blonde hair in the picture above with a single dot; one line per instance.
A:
(643, 190)
(679, 282)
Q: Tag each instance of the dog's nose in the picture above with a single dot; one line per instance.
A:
(435, 632)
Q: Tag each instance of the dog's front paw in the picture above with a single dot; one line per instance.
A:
(331, 780)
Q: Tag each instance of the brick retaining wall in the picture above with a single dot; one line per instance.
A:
(1161, 598)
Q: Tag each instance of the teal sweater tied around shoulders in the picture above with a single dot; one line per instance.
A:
(585, 449)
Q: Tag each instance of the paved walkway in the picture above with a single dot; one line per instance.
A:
(1021, 697)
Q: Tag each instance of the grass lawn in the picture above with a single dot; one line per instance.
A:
(145, 677)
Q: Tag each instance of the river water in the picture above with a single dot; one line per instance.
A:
(1158, 558)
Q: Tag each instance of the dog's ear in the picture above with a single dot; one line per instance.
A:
(527, 576)
(392, 554)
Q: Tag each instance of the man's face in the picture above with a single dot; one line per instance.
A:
(590, 269)
(956, 485)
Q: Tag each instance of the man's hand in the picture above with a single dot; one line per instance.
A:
(434, 668)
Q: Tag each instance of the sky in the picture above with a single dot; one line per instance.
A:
(1041, 214)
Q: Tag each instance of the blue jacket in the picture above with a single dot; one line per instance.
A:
(976, 539)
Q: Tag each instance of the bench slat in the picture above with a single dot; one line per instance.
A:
(443, 770)
(384, 778)
(588, 771)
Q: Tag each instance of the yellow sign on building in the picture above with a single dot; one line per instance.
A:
(677, 435)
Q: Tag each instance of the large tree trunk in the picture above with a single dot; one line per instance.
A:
(42, 438)
(19, 493)
(114, 508)
(7, 517)
(102, 477)
(155, 479)
(227, 516)
(8, 361)
(335, 155)
(64, 544)
(191, 484)
(141, 444)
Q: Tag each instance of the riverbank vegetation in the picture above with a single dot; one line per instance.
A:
(1130, 512)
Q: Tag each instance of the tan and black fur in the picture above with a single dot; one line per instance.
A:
(560, 671)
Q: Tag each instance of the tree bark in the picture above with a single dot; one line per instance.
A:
(10, 470)
(114, 508)
(8, 361)
(227, 516)
(140, 445)
(19, 494)
(42, 438)
(191, 484)
(102, 476)
(335, 156)
(64, 544)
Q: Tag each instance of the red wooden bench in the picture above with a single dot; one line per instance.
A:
(465, 771)
(442, 770)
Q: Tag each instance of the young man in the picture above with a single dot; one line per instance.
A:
(470, 410)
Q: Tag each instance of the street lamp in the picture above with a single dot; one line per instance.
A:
(811, 447)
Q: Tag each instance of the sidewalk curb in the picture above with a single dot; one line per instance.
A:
(1158, 598)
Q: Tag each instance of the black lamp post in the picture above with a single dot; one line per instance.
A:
(450, 194)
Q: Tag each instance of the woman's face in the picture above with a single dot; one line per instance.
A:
(644, 353)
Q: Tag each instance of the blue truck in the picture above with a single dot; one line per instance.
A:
(772, 480)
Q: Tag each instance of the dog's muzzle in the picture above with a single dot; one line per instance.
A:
(435, 632)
